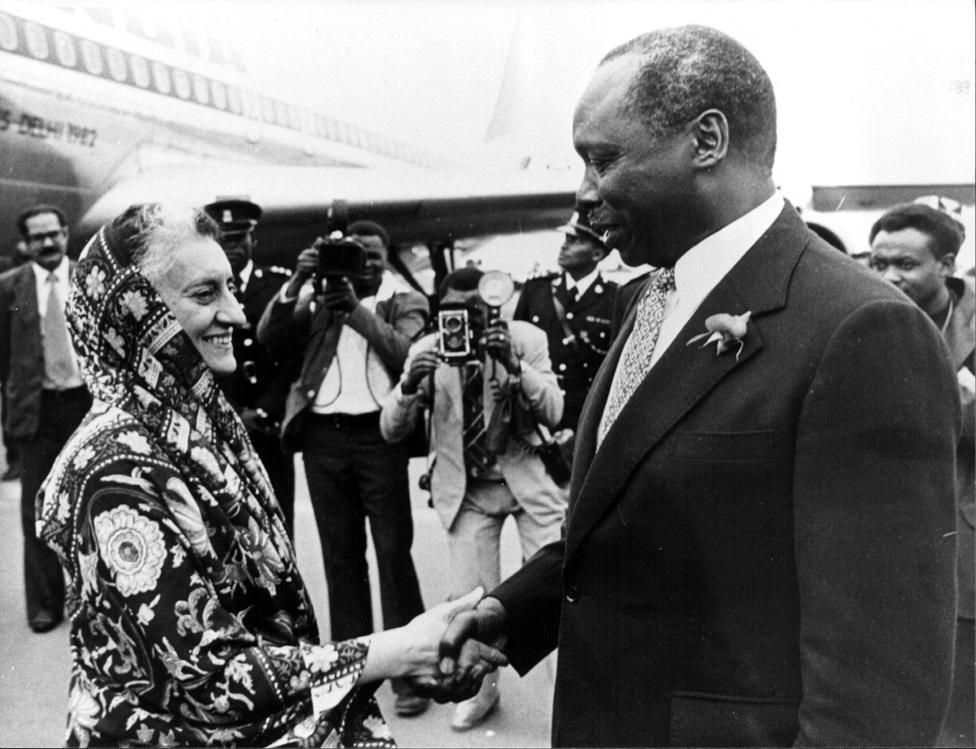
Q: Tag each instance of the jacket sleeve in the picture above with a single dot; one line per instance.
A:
(144, 568)
(280, 330)
(874, 518)
(540, 391)
(391, 340)
(400, 412)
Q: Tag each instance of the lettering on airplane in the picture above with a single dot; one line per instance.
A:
(33, 126)
(33, 40)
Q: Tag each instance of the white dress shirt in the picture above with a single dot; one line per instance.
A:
(583, 284)
(702, 267)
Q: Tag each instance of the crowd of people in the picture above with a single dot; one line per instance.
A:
(765, 538)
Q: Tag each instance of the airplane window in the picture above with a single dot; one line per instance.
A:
(216, 51)
(116, 64)
(36, 40)
(294, 120)
(219, 94)
(161, 78)
(190, 43)
(133, 24)
(140, 70)
(181, 82)
(267, 109)
(201, 91)
(165, 34)
(91, 55)
(281, 113)
(64, 48)
(100, 15)
(234, 99)
(8, 33)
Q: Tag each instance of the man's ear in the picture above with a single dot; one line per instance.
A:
(947, 265)
(711, 131)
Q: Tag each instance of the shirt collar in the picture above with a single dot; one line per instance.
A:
(245, 274)
(61, 271)
(701, 268)
(583, 284)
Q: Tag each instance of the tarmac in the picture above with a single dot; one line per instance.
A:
(34, 668)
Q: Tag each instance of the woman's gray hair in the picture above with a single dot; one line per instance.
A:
(151, 231)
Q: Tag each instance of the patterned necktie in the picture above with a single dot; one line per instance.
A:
(635, 361)
(477, 459)
(59, 365)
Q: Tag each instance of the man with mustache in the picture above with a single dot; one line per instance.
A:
(759, 544)
(45, 396)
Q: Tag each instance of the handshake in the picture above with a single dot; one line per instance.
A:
(445, 652)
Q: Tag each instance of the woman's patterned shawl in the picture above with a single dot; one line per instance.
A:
(190, 621)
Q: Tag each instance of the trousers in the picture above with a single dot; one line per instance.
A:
(60, 414)
(355, 476)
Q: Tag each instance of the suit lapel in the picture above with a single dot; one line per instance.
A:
(26, 295)
(681, 377)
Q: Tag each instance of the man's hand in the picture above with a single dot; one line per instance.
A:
(497, 341)
(422, 365)
(339, 295)
(467, 647)
(414, 650)
(305, 267)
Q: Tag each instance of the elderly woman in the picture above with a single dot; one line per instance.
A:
(190, 623)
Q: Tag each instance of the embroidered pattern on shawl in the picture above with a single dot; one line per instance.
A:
(190, 621)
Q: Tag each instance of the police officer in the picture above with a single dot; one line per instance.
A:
(574, 308)
(259, 386)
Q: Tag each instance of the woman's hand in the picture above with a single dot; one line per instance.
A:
(414, 649)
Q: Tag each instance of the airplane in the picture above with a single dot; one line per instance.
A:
(102, 107)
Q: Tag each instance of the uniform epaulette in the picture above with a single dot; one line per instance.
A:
(544, 274)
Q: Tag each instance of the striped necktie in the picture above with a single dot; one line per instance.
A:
(635, 361)
(477, 459)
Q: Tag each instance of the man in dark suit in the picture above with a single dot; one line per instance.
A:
(760, 539)
(914, 247)
(259, 386)
(573, 307)
(45, 396)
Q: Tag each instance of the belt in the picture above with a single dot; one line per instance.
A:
(345, 422)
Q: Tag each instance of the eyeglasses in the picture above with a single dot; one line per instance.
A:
(40, 238)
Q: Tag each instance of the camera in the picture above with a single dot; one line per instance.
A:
(455, 338)
(339, 257)
(455, 335)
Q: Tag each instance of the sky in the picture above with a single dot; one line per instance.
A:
(869, 91)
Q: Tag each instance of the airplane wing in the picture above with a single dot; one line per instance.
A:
(415, 205)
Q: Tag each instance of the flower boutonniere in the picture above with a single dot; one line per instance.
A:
(725, 331)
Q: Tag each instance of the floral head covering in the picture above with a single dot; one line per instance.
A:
(135, 357)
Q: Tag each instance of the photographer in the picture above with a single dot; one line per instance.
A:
(355, 332)
(485, 410)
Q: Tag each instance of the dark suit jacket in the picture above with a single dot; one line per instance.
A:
(261, 380)
(21, 351)
(588, 318)
(398, 321)
(761, 552)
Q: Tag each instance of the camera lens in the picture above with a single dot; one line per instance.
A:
(452, 324)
